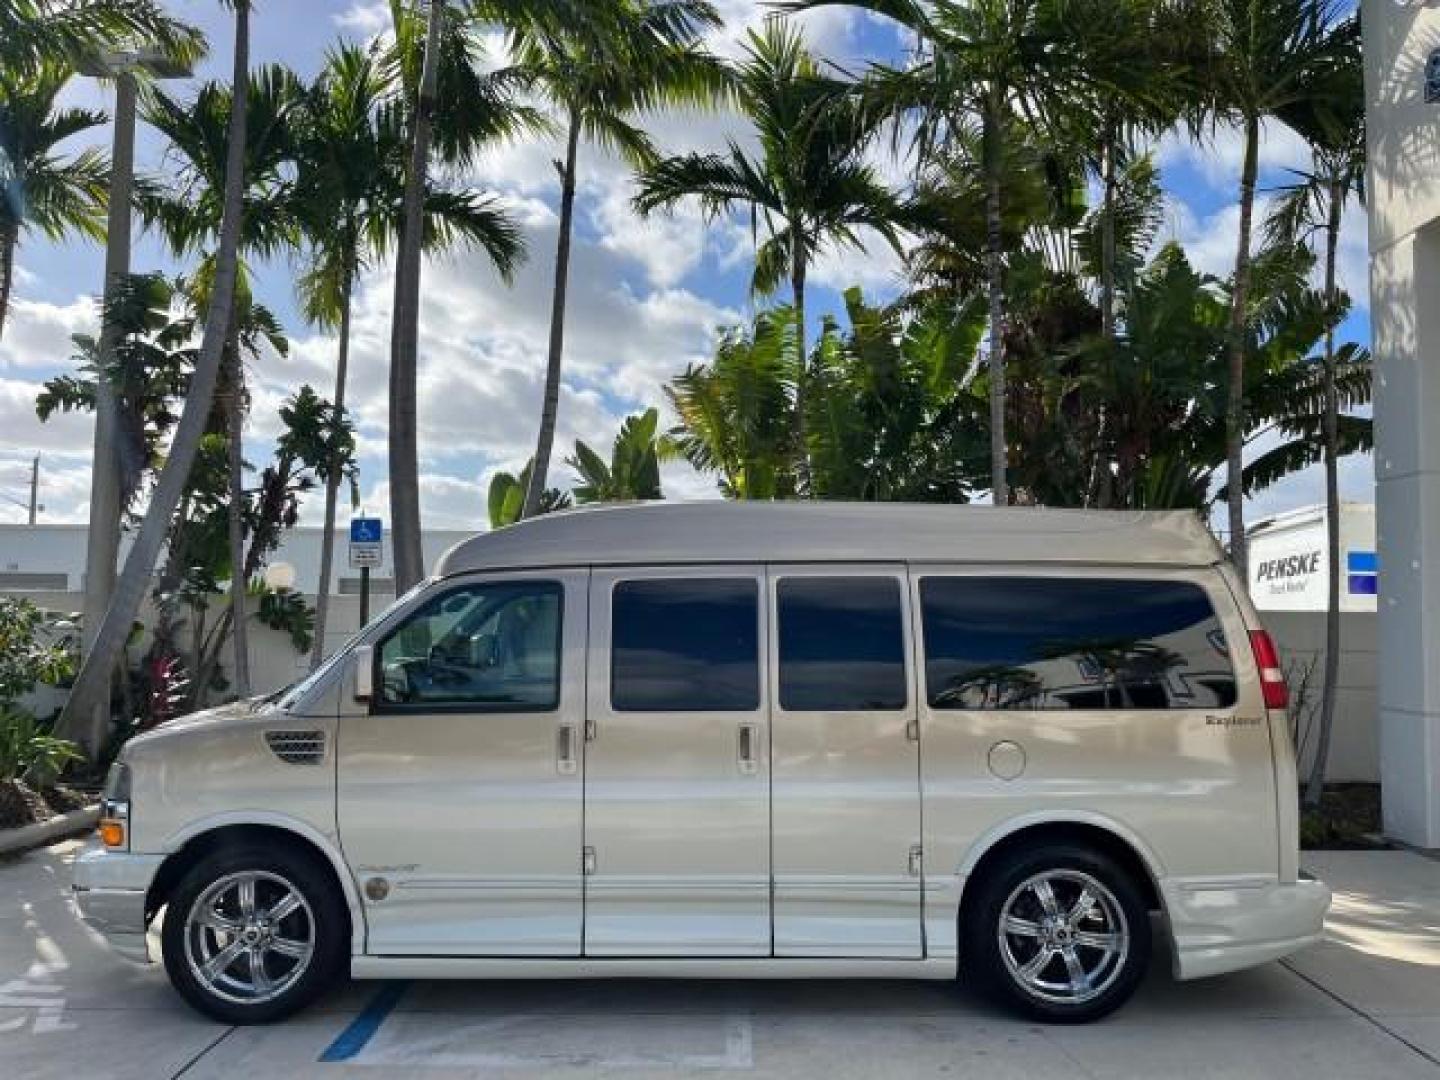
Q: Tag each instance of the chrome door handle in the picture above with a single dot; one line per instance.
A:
(745, 753)
(565, 750)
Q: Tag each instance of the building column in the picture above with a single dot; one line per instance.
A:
(1403, 148)
(1405, 286)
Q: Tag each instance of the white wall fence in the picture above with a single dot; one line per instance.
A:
(1355, 742)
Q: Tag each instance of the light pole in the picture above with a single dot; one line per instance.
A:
(103, 541)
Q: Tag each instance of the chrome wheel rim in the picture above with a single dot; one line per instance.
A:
(1063, 937)
(249, 937)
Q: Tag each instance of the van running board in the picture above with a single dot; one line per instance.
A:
(625, 967)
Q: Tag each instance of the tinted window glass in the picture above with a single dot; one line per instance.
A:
(492, 647)
(685, 645)
(842, 644)
(1038, 643)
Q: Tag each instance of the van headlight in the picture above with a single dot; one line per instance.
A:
(115, 808)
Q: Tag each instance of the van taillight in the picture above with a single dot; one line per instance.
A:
(1272, 676)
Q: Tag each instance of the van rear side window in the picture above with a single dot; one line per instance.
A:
(1072, 643)
(685, 645)
(842, 644)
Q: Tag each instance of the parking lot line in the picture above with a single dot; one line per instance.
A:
(362, 1029)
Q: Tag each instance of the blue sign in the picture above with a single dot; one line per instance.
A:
(1363, 573)
(365, 530)
(1362, 562)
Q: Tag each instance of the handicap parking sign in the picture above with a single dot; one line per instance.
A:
(365, 549)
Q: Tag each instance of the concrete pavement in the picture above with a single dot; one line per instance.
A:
(1365, 1002)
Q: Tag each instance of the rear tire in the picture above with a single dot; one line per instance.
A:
(1060, 933)
(253, 935)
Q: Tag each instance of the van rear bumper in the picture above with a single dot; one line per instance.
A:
(1221, 926)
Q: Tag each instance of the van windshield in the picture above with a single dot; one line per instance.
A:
(297, 690)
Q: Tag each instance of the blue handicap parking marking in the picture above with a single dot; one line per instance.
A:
(362, 1029)
(365, 530)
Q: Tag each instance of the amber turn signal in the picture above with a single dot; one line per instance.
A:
(112, 833)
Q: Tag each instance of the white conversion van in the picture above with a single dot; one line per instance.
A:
(741, 740)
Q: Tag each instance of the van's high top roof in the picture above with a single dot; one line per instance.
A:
(709, 532)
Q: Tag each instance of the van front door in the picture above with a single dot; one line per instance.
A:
(846, 763)
(677, 781)
(459, 788)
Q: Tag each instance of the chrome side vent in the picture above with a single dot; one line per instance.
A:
(297, 747)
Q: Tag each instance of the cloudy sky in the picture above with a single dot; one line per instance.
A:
(647, 298)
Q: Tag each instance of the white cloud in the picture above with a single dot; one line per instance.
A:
(446, 501)
(877, 268)
(1219, 156)
(1210, 240)
(482, 362)
(37, 334)
(668, 246)
(365, 18)
(1307, 488)
(829, 32)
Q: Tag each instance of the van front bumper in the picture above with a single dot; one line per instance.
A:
(1221, 926)
(110, 889)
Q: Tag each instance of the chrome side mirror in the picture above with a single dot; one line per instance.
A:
(364, 661)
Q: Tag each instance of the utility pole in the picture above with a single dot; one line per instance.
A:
(34, 489)
(103, 542)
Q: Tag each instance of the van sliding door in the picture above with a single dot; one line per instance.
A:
(845, 763)
(677, 772)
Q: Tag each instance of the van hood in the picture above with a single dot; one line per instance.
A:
(235, 712)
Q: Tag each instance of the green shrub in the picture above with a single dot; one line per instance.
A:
(26, 661)
(26, 747)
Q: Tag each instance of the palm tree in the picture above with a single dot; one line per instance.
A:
(1266, 57)
(989, 63)
(890, 416)
(405, 320)
(92, 684)
(34, 33)
(599, 72)
(506, 497)
(810, 183)
(737, 412)
(633, 471)
(189, 215)
(1143, 52)
(147, 370)
(40, 187)
(348, 193)
(450, 110)
(1334, 126)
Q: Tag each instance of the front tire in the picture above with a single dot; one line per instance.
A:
(1060, 933)
(253, 935)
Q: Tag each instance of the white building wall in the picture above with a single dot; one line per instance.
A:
(1403, 160)
(30, 553)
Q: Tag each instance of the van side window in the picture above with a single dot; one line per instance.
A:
(1078, 643)
(842, 644)
(685, 645)
(492, 647)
